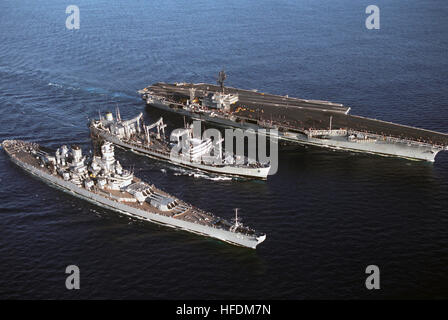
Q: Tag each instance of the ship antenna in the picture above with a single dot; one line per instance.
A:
(117, 112)
(237, 224)
(221, 78)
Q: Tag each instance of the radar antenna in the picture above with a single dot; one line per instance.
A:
(117, 113)
(221, 78)
(236, 221)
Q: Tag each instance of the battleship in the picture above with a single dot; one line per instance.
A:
(307, 122)
(102, 180)
(192, 152)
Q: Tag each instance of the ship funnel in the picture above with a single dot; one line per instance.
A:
(109, 116)
(77, 153)
(192, 94)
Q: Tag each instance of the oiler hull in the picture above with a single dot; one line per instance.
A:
(228, 170)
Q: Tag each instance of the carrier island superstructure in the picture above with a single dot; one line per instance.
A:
(103, 181)
(308, 122)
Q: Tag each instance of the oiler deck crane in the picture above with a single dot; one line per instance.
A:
(160, 128)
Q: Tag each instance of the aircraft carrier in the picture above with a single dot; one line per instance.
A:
(309, 122)
(103, 181)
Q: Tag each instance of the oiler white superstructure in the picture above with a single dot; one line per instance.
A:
(103, 181)
(186, 150)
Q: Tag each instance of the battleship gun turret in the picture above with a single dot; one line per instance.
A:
(103, 181)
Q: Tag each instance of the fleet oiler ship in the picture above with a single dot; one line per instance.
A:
(185, 150)
(103, 181)
(308, 122)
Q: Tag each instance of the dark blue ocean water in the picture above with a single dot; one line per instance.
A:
(327, 214)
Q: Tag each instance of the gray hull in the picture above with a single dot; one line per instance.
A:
(259, 173)
(223, 235)
(386, 147)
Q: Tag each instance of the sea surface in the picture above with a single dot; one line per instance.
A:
(327, 214)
